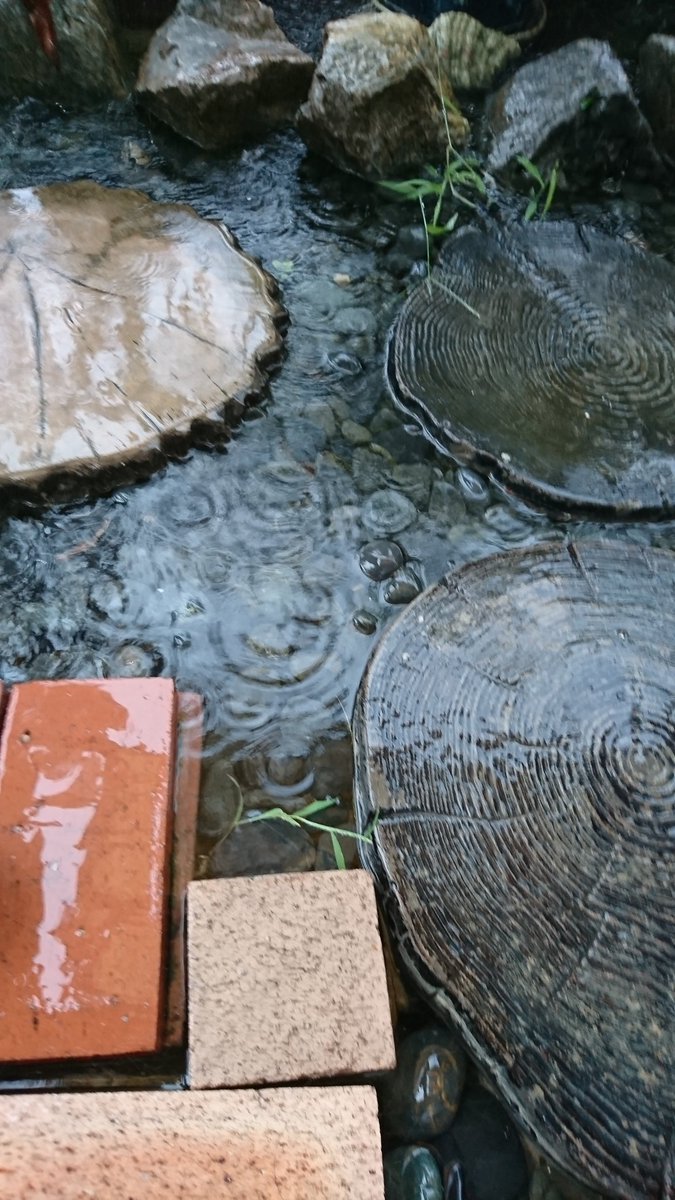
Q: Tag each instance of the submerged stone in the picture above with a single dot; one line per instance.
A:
(387, 511)
(222, 72)
(374, 107)
(380, 559)
(420, 1098)
(412, 1173)
(126, 324)
(364, 621)
(262, 848)
(405, 586)
(485, 1141)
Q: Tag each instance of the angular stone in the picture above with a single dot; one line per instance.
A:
(221, 72)
(374, 106)
(289, 1143)
(575, 107)
(474, 54)
(125, 324)
(286, 979)
(88, 56)
(656, 85)
(86, 777)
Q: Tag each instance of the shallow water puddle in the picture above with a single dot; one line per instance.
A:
(240, 572)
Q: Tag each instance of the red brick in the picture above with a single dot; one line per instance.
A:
(86, 775)
(186, 803)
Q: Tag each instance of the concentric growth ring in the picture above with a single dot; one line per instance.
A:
(545, 355)
(515, 730)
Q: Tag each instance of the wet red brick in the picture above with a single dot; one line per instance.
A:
(86, 776)
(186, 802)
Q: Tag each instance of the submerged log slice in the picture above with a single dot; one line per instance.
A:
(515, 731)
(125, 323)
(545, 355)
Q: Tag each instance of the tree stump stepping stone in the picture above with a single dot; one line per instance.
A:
(515, 731)
(127, 326)
(544, 355)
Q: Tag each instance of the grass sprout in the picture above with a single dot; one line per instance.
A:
(542, 191)
(304, 817)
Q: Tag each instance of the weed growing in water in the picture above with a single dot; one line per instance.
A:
(542, 191)
(304, 817)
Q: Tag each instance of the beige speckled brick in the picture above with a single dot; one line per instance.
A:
(286, 980)
(289, 1143)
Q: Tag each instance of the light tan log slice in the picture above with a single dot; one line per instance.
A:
(125, 323)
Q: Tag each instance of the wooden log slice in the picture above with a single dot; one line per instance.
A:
(515, 731)
(126, 324)
(544, 355)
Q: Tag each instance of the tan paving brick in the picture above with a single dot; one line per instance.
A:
(286, 980)
(282, 1144)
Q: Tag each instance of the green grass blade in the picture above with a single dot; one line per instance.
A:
(532, 170)
(316, 806)
(531, 209)
(550, 193)
(337, 851)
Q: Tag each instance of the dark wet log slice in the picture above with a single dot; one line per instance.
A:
(516, 732)
(544, 354)
(127, 326)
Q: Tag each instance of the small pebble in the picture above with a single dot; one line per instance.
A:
(412, 1173)
(219, 799)
(107, 597)
(420, 1098)
(342, 280)
(262, 848)
(344, 363)
(358, 435)
(364, 621)
(355, 321)
(380, 559)
(414, 480)
(132, 659)
(474, 489)
(387, 511)
(404, 588)
(446, 502)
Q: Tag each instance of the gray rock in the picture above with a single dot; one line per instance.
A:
(575, 107)
(656, 86)
(358, 435)
(414, 480)
(387, 511)
(373, 106)
(221, 72)
(262, 848)
(89, 60)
